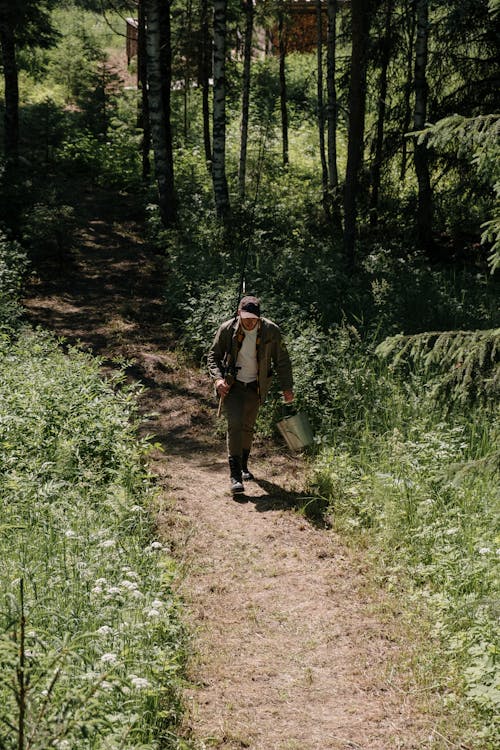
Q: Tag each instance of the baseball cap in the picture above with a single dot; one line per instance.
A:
(249, 307)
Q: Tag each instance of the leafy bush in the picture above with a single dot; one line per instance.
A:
(90, 640)
(114, 162)
(13, 267)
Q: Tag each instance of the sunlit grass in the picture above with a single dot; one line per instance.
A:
(90, 639)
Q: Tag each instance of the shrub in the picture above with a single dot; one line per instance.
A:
(13, 267)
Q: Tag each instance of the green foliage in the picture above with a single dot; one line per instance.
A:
(409, 294)
(93, 649)
(13, 267)
(112, 163)
(458, 366)
(479, 139)
(423, 495)
(48, 228)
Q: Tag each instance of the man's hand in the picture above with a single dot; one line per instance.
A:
(288, 396)
(222, 387)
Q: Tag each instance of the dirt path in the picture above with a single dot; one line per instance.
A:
(293, 650)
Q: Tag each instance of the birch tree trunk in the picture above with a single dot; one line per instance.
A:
(421, 154)
(360, 22)
(221, 195)
(10, 74)
(381, 110)
(206, 57)
(159, 82)
(247, 59)
(331, 107)
(282, 81)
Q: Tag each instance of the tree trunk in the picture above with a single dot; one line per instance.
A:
(421, 154)
(332, 98)
(159, 82)
(206, 58)
(360, 21)
(142, 80)
(188, 31)
(321, 113)
(282, 80)
(381, 110)
(247, 59)
(408, 87)
(8, 46)
(221, 194)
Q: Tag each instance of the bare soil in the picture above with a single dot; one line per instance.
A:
(293, 647)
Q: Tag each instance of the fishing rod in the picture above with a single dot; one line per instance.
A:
(226, 364)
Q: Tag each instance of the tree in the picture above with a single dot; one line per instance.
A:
(385, 55)
(321, 113)
(25, 23)
(142, 77)
(221, 194)
(360, 24)
(8, 47)
(205, 69)
(247, 59)
(159, 85)
(282, 80)
(421, 154)
(331, 111)
(409, 26)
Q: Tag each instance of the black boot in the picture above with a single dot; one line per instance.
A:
(247, 475)
(235, 473)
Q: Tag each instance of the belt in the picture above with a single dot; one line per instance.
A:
(252, 384)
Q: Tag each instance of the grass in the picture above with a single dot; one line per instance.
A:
(91, 642)
(422, 495)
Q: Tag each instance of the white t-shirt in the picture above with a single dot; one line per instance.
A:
(246, 362)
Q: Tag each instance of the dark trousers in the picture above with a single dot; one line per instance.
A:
(240, 409)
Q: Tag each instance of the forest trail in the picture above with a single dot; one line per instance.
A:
(293, 649)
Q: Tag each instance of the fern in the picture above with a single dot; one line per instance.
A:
(459, 366)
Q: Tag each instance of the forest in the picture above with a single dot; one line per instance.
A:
(338, 158)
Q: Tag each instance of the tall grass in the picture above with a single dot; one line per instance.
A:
(91, 643)
(418, 485)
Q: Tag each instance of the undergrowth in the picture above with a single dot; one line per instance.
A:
(91, 643)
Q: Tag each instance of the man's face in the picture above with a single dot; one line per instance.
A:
(249, 323)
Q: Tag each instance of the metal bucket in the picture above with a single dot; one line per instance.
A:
(297, 431)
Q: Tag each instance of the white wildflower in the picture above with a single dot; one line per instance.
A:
(484, 550)
(109, 658)
(452, 531)
(114, 590)
(107, 543)
(139, 682)
(136, 594)
(104, 630)
(156, 545)
(100, 582)
(107, 685)
(129, 572)
(126, 584)
(157, 604)
(153, 613)
(96, 590)
(70, 534)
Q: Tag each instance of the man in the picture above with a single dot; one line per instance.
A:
(245, 352)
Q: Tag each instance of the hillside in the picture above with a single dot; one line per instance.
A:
(293, 644)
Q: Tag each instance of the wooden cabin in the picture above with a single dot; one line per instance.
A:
(132, 38)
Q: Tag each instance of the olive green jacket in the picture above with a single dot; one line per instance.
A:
(272, 354)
